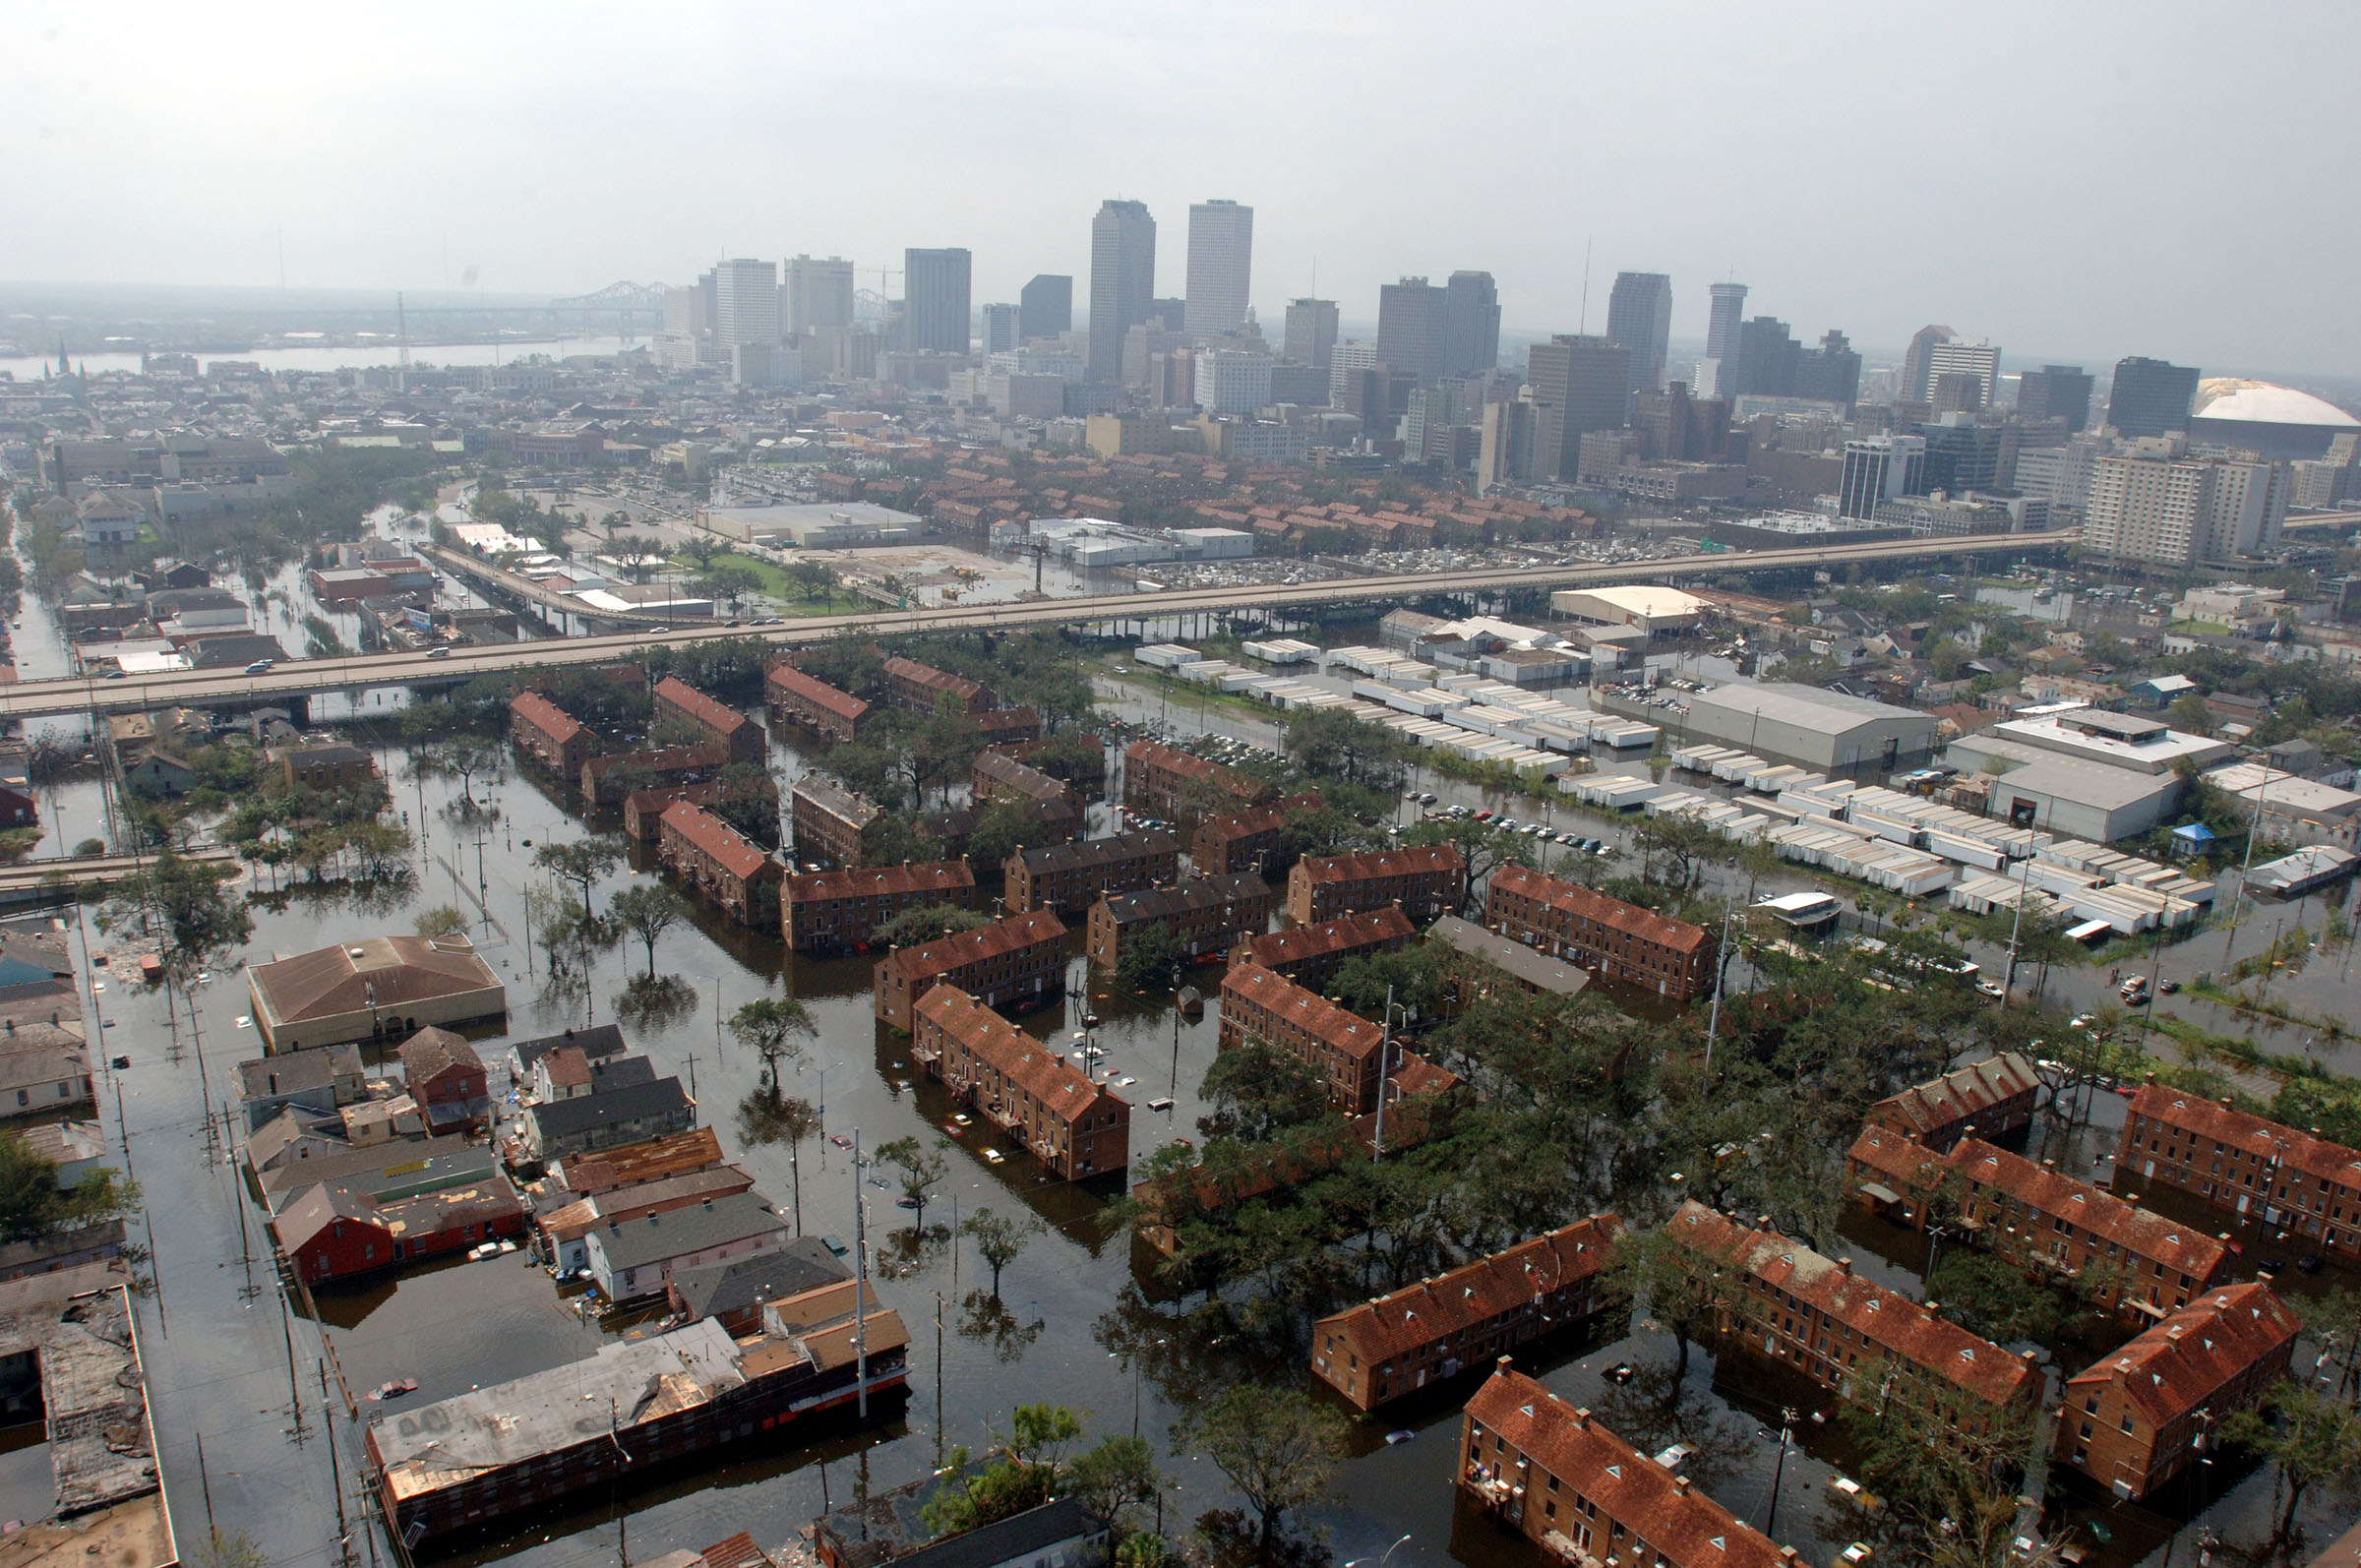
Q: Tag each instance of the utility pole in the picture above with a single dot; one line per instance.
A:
(1787, 1423)
(1713, 1019)
(860, 1280)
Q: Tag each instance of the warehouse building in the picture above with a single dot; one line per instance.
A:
(1657, 612)
(1825, 729)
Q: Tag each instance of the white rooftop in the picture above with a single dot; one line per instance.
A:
(2262, 403)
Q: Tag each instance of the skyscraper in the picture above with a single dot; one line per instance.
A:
(1000, 329)
(1046, 308)
(746, 303)
(1917, 365)
(1310, 331)
(1830, 373)
(1766, 360)
(1881, 469)
(1471, 324)
(1410, 328)
(2159, 504)
(1578, 384)
(2055, 392)
(2150, 396)
(1221, 267)
(1122, 281)
(1972, 357)
(1639, 318)
(1725, 319)
(935, 288)
(820, 293)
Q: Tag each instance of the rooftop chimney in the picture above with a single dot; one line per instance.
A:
(1845, 1265)
(1681, 1484)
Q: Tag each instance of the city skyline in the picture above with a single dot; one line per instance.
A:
(527, 187)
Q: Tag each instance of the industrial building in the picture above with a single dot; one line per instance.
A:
(1826, 730)
(1659, 612)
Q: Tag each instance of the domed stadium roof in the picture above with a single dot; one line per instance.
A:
(2259, 403)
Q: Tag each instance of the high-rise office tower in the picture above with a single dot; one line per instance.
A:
(2150, 396)
(1232, 382)
(2055, 392)
(1725, 317)
(1964, 453)
(746, 302)
(1830, 373)
(935, 291)
(1578, 384)
(2156, 503)
(1766, 363)
(1917, 365)
(1310, 331)
(1956, 392)
(1639, 317)
(1471, 324)
(1504, 454)
(820, 293)
(1122, 281)
(1881, 469)
(1971, 356)
(1221, 267)
(1346, 361)
(1046, 307)
(1000, 329)
(1410, 328)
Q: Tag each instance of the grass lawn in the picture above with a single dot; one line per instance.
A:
(785, 590)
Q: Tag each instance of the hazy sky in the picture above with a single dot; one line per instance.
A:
(2067, 179)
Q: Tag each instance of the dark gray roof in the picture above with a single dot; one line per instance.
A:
(233, 648)
(804, 1264)
(1189, 894)
(562, 1117)
(1013, 1540)
(298, 1071)
(602, 1040)
(1098, 851)
(653, 1238)
(621, 1072)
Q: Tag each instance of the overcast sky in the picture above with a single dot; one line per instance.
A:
(2081, 180)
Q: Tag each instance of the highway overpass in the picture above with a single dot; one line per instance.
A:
(299, 677)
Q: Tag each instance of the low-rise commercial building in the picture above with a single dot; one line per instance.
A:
(1843, 1332)
(1251, 840)
(366, 990)
(740, 736)
(1012, 963)
(2141, 1416)
(813, 704)
(1164, 781)
(1551, 1472)
(835, 911)
(2040, 1219)
(1074, 876)
(1204, 914)
(2244, 1164)
(831, 823)
(1310, 955)
(1824, 730)
(331, 1232)
(1990, 1099)
(721, 865)
(1433, 1329)
(1606, 935)
(564, 1230)
(1424, 881)
(1075, 1127)
(634, 1258)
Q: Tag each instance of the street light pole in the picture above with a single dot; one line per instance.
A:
(1787, 1423)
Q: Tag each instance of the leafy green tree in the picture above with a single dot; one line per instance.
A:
(914, 928)
(774, 1029)
(1002, 828)
(1147, 957)
(1256, 1091)
(582, 862)
(2309, 1436)
(998, 1240)
(1682, 1290)
(1332, 743)
(1987, 1296)
(922, 1167)
(731, 582)
(188, 907)
(1120, 1472)
(767, 1116)
(1486, 847)
(444, 920)
(1278, 1446)
(648, 911)
(1946, 1464)
(32, 1205)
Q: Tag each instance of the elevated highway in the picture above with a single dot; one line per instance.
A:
(361, 673)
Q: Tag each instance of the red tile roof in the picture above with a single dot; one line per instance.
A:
(1325, 1021)
(817, 693)
(546, 716)
(873, 881)
(1642, 923)
(1262, 818)
(1881, 1317)
(705, 753)
(707, 713)
(2306, 1152)
(1435, 1309)
(2181, 1362)
(934, 679)
(1418, 860)
(1689, 1527)
(1361, 928)
(1033, 1067)
(730, 849)
(1190, 765)
(961, 948)
(1956, 1095)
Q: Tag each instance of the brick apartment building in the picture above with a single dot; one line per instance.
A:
(1077, 1128)
(2241, 1164)
(548, 734)
(2140, 1415)
(1075, 876)
(1843, 1332)
(1310, 955)
(2036, 1216)
(1003, 727)
(924, 688)
(1992, 1099)
(1341, 1046)
(1159, 778)
(724, 868)
(1604, 935)
(1013, 963)
(831, 823)
(1204, 914)
(825, 912)
(607, 780)
(643, 810)
(1548, 1470)
(678, 700)
(813, 704)
(1433, 1329)
(1253, 840)
(1426, 881)
(997, 775)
